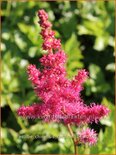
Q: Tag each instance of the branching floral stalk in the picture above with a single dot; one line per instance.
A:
(61, 100)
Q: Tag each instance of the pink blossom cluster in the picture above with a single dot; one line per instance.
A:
(50, 42)
(59, 95)
(88, 136)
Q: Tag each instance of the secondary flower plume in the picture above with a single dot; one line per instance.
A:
(61, 100)
(87, 136)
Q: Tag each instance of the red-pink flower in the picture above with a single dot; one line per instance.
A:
(88, 136)
(61, 100)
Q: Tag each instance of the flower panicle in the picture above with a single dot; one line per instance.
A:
(87, 136)
(55, 90)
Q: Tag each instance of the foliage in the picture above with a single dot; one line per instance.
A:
(87, 33)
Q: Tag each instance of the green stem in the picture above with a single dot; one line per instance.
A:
(73, 138)
(71, 134)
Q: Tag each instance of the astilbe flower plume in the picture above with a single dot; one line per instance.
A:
(87, 136)
(61, 100)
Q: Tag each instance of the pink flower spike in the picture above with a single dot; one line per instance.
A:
(88, 136)
(82, 76)
(96, 112)
(33, 111)
(34, 74)
(42, 15)
(56, 91)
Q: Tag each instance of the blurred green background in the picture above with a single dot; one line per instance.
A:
(86, 30)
